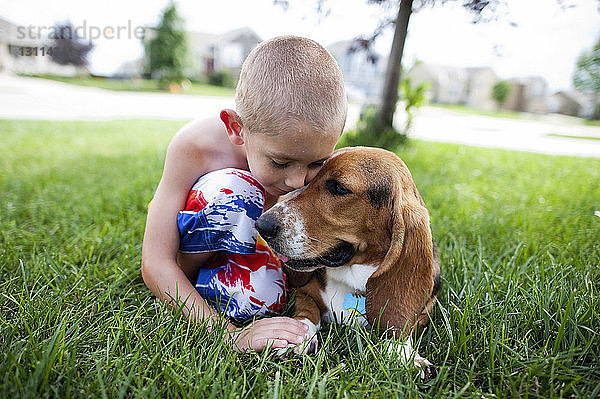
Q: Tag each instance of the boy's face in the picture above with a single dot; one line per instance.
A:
(288, 161)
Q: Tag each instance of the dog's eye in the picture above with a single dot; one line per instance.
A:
(336, 188)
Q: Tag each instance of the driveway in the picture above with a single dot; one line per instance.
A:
(31, 98)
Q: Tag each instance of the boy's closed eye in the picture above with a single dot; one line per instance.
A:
(282, 164)
(279, 164)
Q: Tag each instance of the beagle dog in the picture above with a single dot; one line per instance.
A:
(357, 247)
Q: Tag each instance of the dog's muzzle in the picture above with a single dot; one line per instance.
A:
(337, 256)
(270, 228)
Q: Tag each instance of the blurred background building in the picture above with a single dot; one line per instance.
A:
(363, 77)
(210, 53)
(20, 54)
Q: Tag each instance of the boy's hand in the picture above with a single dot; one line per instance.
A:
(276, 332)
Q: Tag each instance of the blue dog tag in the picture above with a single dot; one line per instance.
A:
(355, 304)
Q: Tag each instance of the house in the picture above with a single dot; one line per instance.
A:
(480, 83)
(473, 87)
(224, 52)
(208, 52)
(447, 85)
(527, 95)
(571, 102)
(25, 52)
(363, 78)
(453, 85)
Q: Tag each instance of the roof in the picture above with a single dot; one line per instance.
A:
(10, 32)
(573, 95)
(210, 39)
(235, 34)
(472, 71)
(340, 49)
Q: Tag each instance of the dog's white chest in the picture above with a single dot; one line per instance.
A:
(341, 281)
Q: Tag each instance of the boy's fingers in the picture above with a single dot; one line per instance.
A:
(277, 331)
(289, 336)
(289, 333)
(279, 343)
(260, 344)
(288, 324)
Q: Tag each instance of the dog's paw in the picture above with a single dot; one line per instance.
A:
(309, 345)
(408, 356)
(425, 367)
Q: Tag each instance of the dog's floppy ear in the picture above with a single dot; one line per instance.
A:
(399, 289)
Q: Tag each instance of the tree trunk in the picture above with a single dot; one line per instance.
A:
(389, 95)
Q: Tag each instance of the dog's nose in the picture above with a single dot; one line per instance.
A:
(267, 226)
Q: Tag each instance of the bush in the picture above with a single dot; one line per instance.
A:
(500, 92)
(414, 98)
(370, 132)
(221, 78)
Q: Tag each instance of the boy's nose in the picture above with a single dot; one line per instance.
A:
(296, 180)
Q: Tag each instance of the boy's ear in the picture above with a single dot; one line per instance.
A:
(233, 124)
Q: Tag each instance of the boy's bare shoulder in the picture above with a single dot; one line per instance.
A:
(201, 133)
(206, 141)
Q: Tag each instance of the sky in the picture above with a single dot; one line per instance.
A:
(526, 37)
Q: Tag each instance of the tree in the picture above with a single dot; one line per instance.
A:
(482, 11)
(586, 77)
(500, 92)
(389, 96)
(167, 50)
(67, 47)
(399, 16)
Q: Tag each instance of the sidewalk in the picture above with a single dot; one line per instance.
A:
(32, 98)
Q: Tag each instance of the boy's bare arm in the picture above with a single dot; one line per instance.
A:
(192, 153)
(161, 239)
(160, 271)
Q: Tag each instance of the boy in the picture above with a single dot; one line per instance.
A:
(291, 110)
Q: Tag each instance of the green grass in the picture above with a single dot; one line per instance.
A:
(573, 137)
(467, 110)
(591, 122)
(518, 314)
(143, 85)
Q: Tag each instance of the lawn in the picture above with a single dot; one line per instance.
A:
(142, 85)
(518, 316)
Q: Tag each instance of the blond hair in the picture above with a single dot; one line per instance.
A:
(290, 79)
